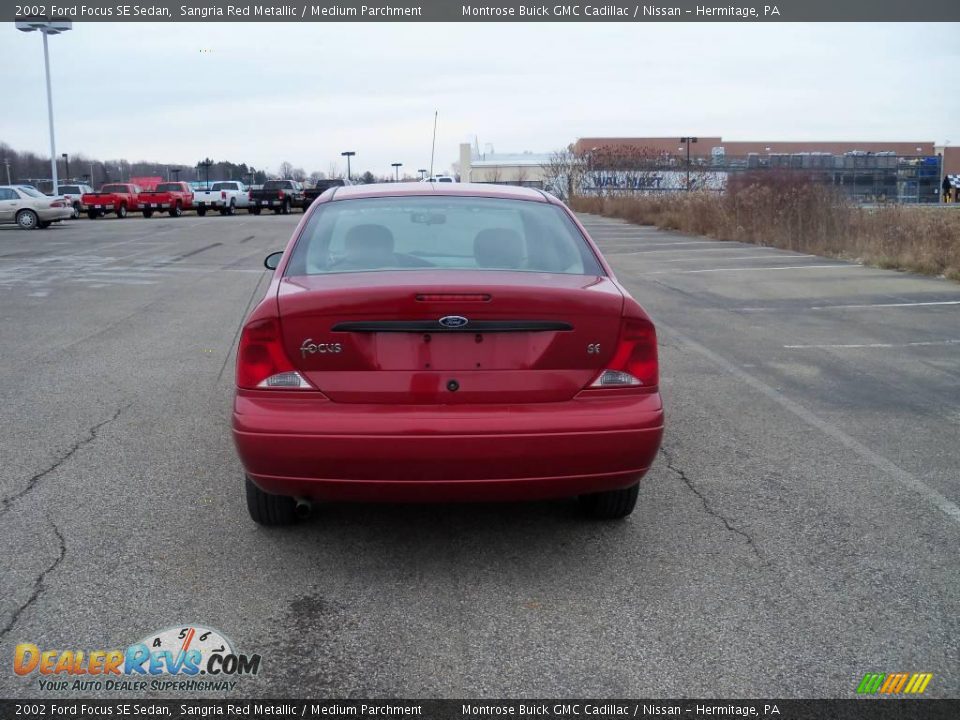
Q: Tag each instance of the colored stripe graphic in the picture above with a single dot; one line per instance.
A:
(870, 683)
(894, 683)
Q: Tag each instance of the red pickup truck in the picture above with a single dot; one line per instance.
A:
(119, 198)
(174, 197)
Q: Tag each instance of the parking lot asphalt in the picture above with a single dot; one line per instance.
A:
(799, 529)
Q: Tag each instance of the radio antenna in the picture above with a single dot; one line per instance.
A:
(434, 146)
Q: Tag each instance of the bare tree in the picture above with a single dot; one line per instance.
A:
(333, 171)
(563, 173)
(285, 169)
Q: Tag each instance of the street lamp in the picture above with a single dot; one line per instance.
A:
(348, 154)
(206, 164)
(423, 173)
(48, 27)
(66, 161)
(396, 167)
(687, 141)
(176, 173)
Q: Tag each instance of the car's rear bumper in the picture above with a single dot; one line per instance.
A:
(323, 450)
(55, 214)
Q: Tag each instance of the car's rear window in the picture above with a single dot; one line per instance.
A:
(114, 189)
(463, 233)
(277, 184)
(169, 187)
(225, 186)
(69, 190)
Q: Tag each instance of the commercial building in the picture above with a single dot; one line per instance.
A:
(867, 171)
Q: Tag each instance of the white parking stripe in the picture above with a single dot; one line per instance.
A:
(755, 269)
(737, 248)
(928, 343)
(738, 258)
(885, 305)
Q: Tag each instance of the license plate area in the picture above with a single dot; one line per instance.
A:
(456, 351)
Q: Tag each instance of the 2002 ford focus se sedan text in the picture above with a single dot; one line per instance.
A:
(426, 342)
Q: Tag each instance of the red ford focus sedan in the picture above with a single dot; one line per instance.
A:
(423, 342)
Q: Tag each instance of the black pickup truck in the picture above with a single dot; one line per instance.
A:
(281, 196)
(311, 194)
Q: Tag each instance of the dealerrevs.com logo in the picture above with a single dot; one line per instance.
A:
(188, 657)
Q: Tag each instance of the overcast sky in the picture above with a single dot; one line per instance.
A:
(264, 93)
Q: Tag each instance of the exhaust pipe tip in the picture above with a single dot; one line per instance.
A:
(303, 508)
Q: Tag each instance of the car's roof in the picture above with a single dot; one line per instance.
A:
(411, 189)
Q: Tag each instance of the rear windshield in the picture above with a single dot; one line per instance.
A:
(32, 192)
(114, 189)
(224, 186)
(414, 233)
(277, 184)
(69, 190)
(169, 187)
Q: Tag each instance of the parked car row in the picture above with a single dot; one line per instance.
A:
(30, 208)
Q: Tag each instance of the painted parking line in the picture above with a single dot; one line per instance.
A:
(729, 248)
(742, 257)
(886, 305)
(752, 269)
(926, 343)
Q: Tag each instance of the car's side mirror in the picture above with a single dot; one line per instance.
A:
(272, 260)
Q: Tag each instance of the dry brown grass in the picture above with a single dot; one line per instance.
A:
(802, 217)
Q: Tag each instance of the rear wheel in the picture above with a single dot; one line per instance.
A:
(611, 504)
(43, 225)
(147, 213)
(254, 210)
(267, 509)
(27, 219)
(286, 207)
(232, 208)
(176, 210)
(93, 214)
(201, 211)
(122, 211)
(76, 210)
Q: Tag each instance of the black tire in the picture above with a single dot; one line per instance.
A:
(231, 208)
(267, 509)
(28, 220)
(201, 211)
(254, 210)
(611, 504)
(93, 214)
(286, 207)
(148, 213)
(176, 210)
(76, 210)
(122, 211)
(44, 224)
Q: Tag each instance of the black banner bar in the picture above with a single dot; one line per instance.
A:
(485, 11)
(576, 709)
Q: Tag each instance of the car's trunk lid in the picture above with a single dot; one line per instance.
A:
(394, 337)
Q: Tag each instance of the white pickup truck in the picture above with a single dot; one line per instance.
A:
(227, 196)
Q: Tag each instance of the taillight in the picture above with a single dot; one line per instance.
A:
(634, 363)
(223, 194)
(280, 194)
(56, 204)
(249, 194)
(261, 361)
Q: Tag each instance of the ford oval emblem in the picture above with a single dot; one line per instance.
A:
(453, 321)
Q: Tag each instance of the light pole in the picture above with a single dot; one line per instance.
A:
(48, 27)
(7, 163)
(66, 162)
(206, 165)
(348, 154)
(423, 173)
(396, 168)
(176, 174)
(686, 141)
